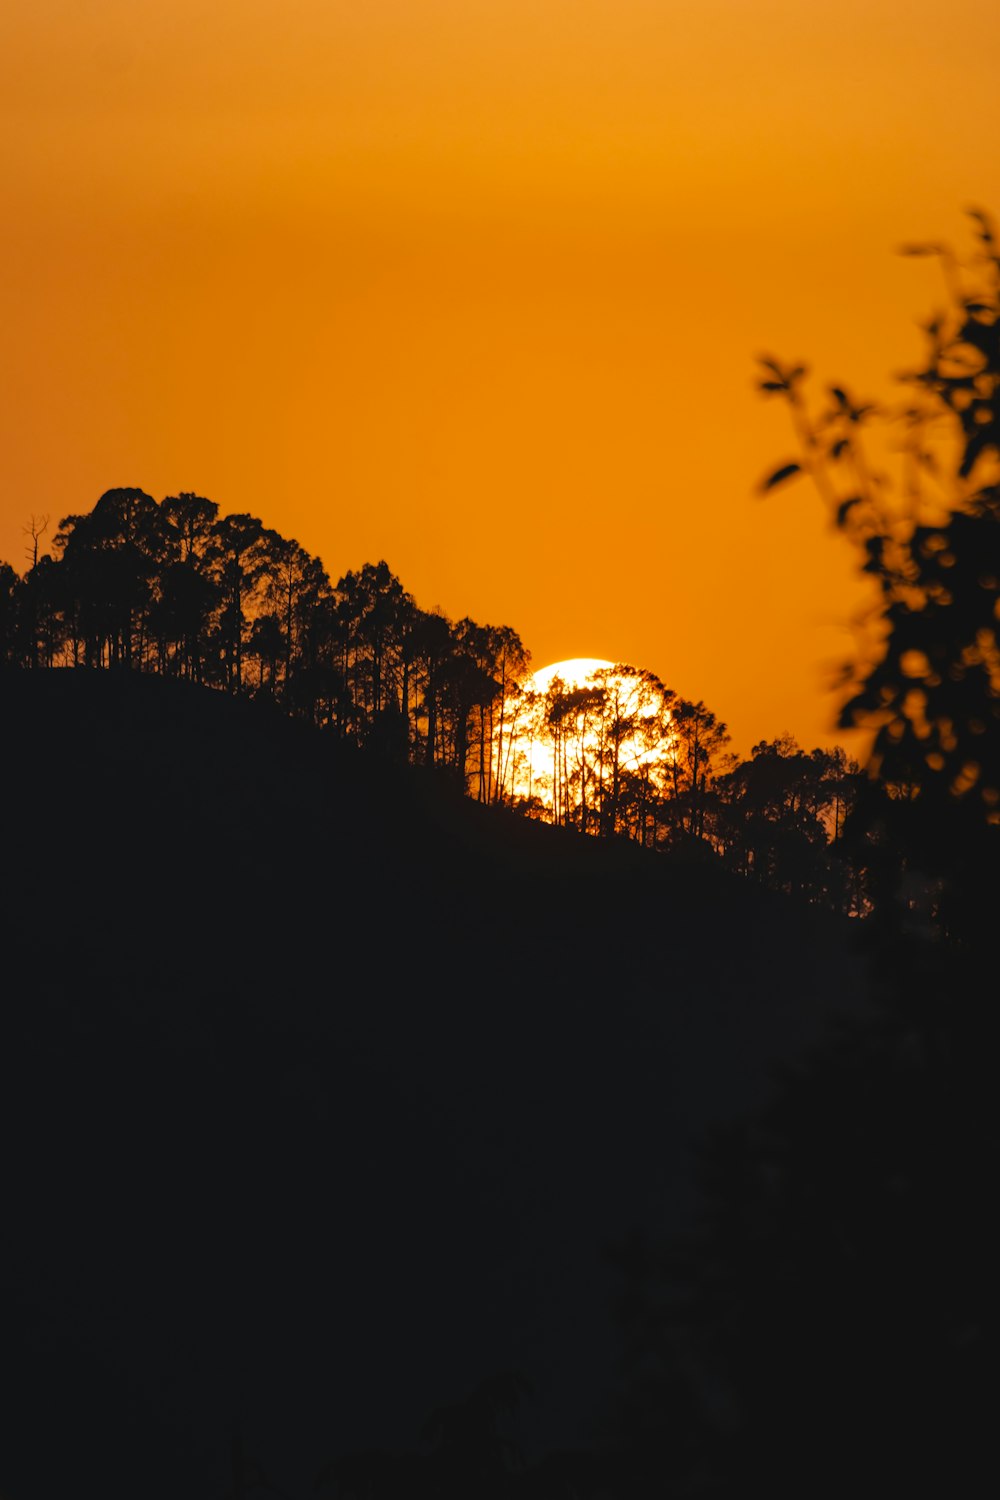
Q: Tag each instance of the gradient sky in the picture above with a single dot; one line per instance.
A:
(476, 286)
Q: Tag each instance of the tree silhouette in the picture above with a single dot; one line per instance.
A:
(110, 558)
(430, 647)
(931, 695)
(240, 559)
(697, 752)
(778, 817)
(9, 582)
(189, 591)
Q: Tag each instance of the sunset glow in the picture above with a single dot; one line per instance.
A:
(476, 286)
(572, 673)
(576, 728)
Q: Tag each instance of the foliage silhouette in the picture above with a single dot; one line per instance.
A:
(831, 1326)
(931, 544)
(779, 816)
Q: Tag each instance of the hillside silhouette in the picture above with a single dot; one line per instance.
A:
(172, 589)
(325, 1088)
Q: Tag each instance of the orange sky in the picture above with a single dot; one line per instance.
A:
(476, 285)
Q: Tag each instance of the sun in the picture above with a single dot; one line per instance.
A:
(585, 739)
(573, 673)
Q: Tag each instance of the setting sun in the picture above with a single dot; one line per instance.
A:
(586, 742)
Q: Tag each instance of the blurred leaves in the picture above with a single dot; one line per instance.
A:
(779, 476)
(930, 541)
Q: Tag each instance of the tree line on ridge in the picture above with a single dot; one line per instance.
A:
(176, 589)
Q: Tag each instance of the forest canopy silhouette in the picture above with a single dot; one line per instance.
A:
(176, 590)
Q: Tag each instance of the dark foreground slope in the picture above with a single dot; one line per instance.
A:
(323, 1090)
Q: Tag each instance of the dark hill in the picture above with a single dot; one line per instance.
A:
(323, 1088)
